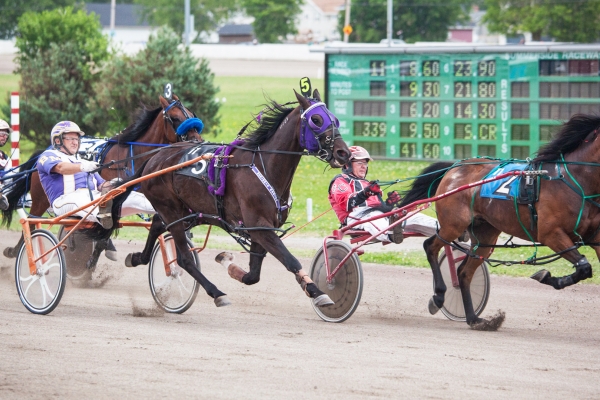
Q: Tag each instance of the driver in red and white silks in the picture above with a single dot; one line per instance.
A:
(71, 183)
(354, 198)
(5, 162)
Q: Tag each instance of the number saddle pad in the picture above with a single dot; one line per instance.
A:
(511, 186)
(211, 171)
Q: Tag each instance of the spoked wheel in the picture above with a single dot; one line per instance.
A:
(173, 289)
(40, 293)
(480, 288)
(78, 250)
(346, 287)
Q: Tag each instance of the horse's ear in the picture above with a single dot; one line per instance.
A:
(316, 95)
(163, 102)
(304, 103)
(175, 97)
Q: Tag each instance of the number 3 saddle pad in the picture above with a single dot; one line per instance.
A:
(503, 189)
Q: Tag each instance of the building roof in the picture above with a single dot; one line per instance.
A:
(330, 6)
(125, 14)
(236, 30)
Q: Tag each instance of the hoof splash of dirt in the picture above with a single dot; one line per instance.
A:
(138, 311)
(491, 325)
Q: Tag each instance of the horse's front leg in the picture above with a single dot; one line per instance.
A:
(156, 229)
(273, 244)
(583, 269)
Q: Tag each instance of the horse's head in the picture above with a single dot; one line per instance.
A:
(183, 123)
(319, 131)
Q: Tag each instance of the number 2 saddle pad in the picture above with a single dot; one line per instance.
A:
(503, 189)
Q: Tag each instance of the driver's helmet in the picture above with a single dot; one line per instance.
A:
(64, 127)
(356, 153)
(359, 153)
(4, 126)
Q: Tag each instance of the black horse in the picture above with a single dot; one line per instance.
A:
(253, 201)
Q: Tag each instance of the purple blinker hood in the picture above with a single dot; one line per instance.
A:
(309, 136)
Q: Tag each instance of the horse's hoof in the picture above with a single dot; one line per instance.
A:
(433, 309)
(322, 301)
(8, 252)
(541, 276)
(128, 262)
(491, 325)
(222, 301)
(111, 255)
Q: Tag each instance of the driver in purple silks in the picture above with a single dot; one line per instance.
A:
(71, 183)
(5, 164)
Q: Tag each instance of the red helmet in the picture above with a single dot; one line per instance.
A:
(359, 153)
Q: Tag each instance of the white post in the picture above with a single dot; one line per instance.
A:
(14, 122)
(113, 7)
(389, 22)
(309, 214)
(186, 12)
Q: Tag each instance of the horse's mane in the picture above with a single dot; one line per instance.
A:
(143, 119)
(569, 137)
(269, 121)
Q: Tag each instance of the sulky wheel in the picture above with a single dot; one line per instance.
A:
(346, 287)
(175, 292)
(40, 293)
(78, 249)
(480, 288)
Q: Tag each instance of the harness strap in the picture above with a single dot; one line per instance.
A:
(269, 188)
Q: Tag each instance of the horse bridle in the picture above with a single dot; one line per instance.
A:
(310, 133)
(167, 118)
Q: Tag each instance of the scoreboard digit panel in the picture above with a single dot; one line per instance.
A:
(452, 106)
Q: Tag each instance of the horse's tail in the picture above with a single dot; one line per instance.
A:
(17, 188)
(426, 184)
(98, 232)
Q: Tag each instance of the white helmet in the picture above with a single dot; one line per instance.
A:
(359, 153)
(63, 127)
(4, 126)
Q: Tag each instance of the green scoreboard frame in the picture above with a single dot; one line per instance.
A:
(455, 102)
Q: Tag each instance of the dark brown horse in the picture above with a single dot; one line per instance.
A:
(156, 126)
(568, 210)
(250, 207)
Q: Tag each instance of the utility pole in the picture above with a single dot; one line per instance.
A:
(186, 12)
(347, 20)
(389, 22)
(113, 6)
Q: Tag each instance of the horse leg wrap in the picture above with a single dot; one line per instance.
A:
(304, 280)
(226, 259)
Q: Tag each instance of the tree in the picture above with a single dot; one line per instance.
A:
(273, 19)
(208, 14)
(129, 81)
(59, 53)
(11, 11)
(418, 20)
(573, 21)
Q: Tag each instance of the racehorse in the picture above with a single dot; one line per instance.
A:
(152, 128)
(566, 211)
(254, 201)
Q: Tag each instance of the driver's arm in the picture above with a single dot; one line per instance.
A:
(66, 168)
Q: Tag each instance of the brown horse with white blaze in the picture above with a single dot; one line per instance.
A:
(250, 206)
(568, 211)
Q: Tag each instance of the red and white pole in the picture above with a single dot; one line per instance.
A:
(14, 121)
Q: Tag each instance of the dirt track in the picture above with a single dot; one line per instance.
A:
(270, 344)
